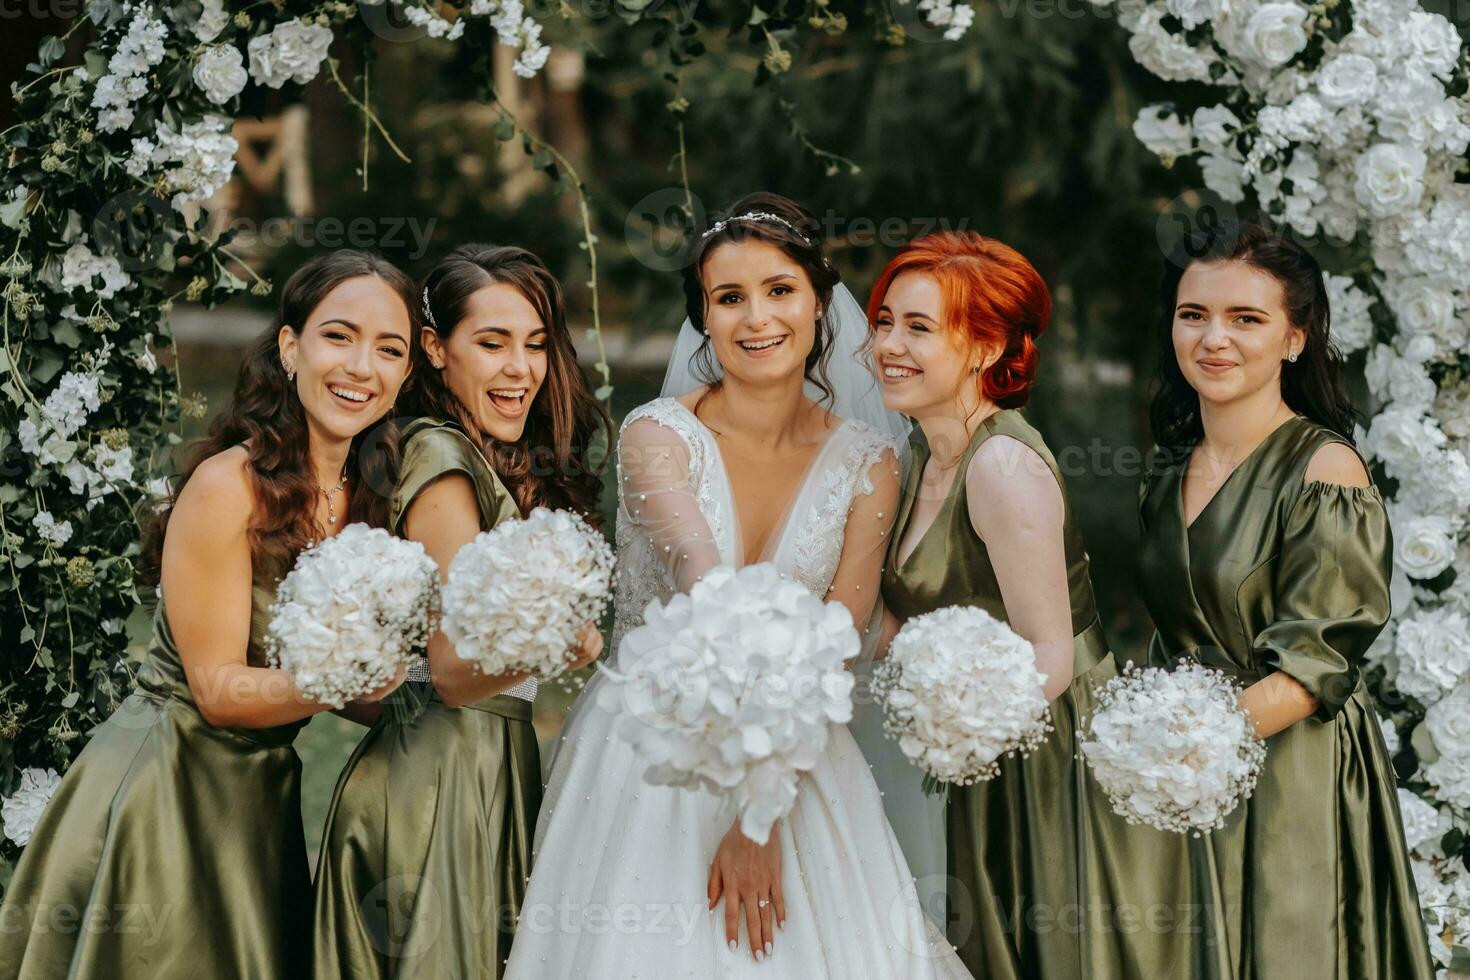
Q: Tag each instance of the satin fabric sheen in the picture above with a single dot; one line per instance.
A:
(1044, 880)
(172, 848)
(1310, 877)
(427, 845)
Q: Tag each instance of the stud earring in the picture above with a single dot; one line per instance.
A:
(1291, 357)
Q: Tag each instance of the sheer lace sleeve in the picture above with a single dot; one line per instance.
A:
(870, 519)
(660, 500)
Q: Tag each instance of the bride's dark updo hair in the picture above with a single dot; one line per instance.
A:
(801, 241)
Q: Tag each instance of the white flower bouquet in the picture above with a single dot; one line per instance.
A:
(22, 809)
(960, 690)
(731, 687)
(518, 594)
(1173, 749)
(352, 611)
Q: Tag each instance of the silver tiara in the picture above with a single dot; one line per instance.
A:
(428, 313)
(719, 226)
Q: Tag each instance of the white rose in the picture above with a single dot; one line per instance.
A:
(1395, 378)
(1390, 179)
(220, 72)
(212, 21)
(1276, 32)
(1450, 776)
(23, 808)
(1166, 55)
(1214, 127)
(1163, 132)
(1449, 723)
(1352, 323)
(1402, 436)
(1424, 306)
(1348, 79)
(1426, 546)
(293, 51)
(1421, 820)
(1223, 176)
(1192, 13)
(1434, 41)
(1433, 648)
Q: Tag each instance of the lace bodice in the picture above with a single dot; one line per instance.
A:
(683, 470)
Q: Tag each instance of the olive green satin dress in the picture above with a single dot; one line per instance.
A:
(427, 845)
(172, 848)
(1310, 877)
(1045, 882)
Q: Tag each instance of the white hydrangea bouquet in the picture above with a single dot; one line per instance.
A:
(352, 611)
(731, 688)
(517, 595)
(1173, 749)
(960, 690)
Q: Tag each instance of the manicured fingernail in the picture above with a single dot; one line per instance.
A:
(732, 945)
(768, 949)
(758, 956)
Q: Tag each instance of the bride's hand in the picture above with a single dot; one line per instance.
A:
(746, 873)
(588, 648)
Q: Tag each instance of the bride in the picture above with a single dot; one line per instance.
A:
(629, 878)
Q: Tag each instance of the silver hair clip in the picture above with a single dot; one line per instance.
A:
(719, 226)
(428, 313)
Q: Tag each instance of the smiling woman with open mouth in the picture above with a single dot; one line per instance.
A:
(457, 775)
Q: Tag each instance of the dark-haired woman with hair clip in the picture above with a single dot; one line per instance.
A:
(1267, 554)
(428, 839)
(174, 846)
(984, 521)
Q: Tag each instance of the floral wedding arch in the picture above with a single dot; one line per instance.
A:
(1346, 121)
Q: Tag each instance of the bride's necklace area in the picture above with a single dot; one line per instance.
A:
(332, 511)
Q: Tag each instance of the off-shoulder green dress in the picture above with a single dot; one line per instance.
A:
(427, 845)
(172, 847)
(1045, 881)
(1310, 877)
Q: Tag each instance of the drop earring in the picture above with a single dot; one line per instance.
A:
(290, 373)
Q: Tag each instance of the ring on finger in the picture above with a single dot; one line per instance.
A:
(763, 903)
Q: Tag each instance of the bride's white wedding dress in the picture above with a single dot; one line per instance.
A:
(618, 886)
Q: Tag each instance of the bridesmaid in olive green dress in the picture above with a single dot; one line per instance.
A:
(173, 846)
(1035, 856)
(427, 846)
(1267, 554)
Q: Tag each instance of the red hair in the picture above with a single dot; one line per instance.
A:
(992, 296)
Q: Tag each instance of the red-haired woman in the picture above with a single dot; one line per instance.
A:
(984, 521)
(174, 846)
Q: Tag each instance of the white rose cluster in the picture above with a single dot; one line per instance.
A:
(352, 611)
(140, 50)
(1173, 749)
(514, 29)
(23, 808)
(732, 686)
(517, 595)
(292, 52)
(960, 691)
(196, 160)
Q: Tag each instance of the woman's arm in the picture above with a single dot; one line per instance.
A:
(444, 517)
(1016, 508)
(207, 584)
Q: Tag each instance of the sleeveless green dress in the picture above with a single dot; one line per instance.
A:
(1044, 880)
(427, 844)
(1310, 877)
(172, 848)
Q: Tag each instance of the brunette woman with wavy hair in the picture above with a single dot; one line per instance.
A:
(457, 777)
(1267, 554)
(185, 804)
(984, 521)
